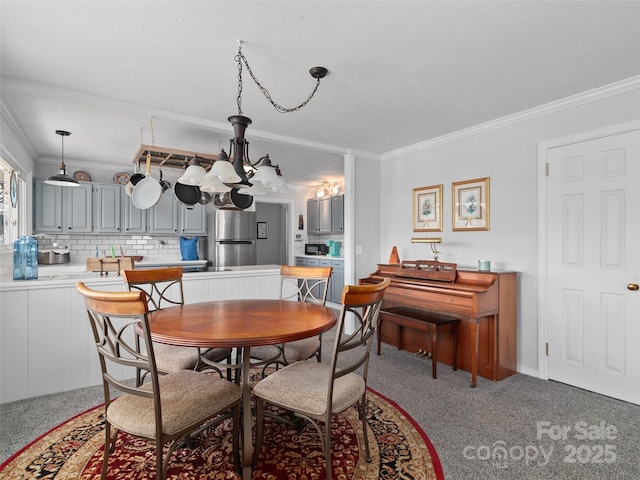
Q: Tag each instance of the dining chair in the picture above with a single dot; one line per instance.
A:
(302, 284)
(163, 288)
(317, 391)
(167, 408)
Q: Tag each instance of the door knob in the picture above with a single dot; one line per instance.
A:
(632, 286)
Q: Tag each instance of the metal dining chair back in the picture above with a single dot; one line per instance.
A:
(297, 387)
(302, 284)
(305, 284)
(167, 408)
(163, 288)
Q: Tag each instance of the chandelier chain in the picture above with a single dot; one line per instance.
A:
(240, 58)
(239, 97)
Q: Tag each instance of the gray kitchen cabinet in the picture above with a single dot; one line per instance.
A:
(313, 220)
(167, 217)
(324, 215)
(307, 262)
(107, 208)
(47, 207)
(193, 220)
(163, 216)
(77, 202)
(337, 280)
(62, 209)
(134, 219)
(313, 262)
(337, 214)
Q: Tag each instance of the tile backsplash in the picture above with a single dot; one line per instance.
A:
(82, 246)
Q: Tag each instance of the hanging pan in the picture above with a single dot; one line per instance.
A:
(133, 180)
(205, 198)
(164, 184)
(147, 191)
(187, 194)
(136, 177)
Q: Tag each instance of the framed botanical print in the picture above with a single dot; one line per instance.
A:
(427, 209)
(470, 204)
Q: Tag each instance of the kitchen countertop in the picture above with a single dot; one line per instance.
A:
(332, 257)
(50, 276)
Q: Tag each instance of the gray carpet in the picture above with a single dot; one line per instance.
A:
(489, 432)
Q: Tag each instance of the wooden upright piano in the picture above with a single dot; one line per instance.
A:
(485, 303)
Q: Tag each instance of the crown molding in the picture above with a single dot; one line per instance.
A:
(622, 86)
(50, 91)
(363, 154)
(15, 126)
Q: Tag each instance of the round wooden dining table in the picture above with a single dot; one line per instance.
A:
(242, 324)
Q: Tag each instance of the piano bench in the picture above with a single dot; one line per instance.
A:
(425, 321)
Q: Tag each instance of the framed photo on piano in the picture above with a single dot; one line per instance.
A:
(470, 205)
(427, 209)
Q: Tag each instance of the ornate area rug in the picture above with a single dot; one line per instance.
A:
(398, 446)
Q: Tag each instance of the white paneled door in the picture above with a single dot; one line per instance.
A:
(593, 265)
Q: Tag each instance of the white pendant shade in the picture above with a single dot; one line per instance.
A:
(253, 190)
(212, 184)
(265, 175)
(279, 180)
(280, 188)
(193, 175)
(224, 171)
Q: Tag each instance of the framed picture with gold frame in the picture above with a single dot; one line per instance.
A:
(470, 205)
(427, 209)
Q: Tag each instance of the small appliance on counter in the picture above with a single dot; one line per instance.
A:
(315, 249)
(25, 258)
(334, 248)
(53, 257)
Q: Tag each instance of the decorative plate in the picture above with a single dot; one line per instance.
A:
(121, 178)
(13, 189)
(82, 176)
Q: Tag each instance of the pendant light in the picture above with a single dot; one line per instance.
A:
(265, 173)
(194, 174)
(61, 179)
(223, 170)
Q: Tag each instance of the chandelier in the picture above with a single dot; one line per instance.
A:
(236, 170)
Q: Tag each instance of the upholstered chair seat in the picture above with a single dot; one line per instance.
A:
(315, 391)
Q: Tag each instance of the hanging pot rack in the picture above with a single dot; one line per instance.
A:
(171, 157)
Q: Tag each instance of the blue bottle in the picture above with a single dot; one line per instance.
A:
(25, 258)
(18, 254)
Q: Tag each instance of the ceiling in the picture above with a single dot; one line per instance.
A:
(400, 73)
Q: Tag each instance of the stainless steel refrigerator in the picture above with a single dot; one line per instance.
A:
(234, 238)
